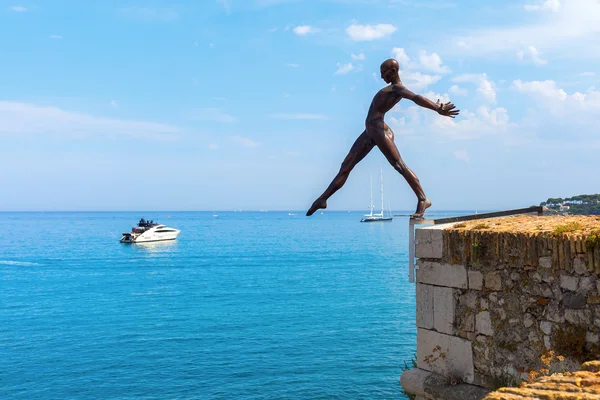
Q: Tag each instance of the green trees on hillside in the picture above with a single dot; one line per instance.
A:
(583, 204)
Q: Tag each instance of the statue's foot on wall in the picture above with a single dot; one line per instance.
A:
(422, 205)
(319, 203)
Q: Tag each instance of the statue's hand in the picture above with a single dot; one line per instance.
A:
(447, 109)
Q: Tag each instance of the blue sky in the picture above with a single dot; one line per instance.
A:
(253, 104)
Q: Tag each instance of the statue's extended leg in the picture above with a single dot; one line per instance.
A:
(361, 147)
(387, 146)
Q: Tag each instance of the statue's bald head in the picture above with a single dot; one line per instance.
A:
(389, 70)
(390, 63)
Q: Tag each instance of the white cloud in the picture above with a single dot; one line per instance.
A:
(114, 104)
(148, 14)
(485, 87)
(497, 116)
(24, 118)
(400, 55)
(544, 89)
(57, 37)
(457, 90)
(417, 81)
(561, 116)
(358, 57)
(292, 65)
(18, 8)
(531, 54)
(361, 33)
(484, 122)
(588, 73)
(553, 5)
(577, 21)
(443, 98)
(344, 68)
(414, 80)
(213, 146)
(210, 114)
(243, 141)
(303, 30)
(432, 62)
(298, 116)
(462, 155)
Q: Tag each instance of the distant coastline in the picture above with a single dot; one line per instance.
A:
(583, 204)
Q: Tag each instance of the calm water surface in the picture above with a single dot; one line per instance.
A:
(242, 306)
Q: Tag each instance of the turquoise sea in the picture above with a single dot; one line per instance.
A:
(245, 305)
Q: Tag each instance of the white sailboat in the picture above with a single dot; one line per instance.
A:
(376, 217)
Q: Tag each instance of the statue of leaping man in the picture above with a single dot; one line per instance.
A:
(378, 133)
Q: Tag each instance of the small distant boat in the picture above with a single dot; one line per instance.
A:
(149, 231)
(291, 213)
(376, 217)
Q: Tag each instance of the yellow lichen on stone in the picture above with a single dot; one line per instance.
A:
(583, 385)
(592, 366)
(571, 226)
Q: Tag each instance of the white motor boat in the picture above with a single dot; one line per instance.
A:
(149, 231)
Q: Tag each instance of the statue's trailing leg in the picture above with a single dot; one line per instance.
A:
(361, 147)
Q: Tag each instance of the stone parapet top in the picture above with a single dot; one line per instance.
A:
(573, 224)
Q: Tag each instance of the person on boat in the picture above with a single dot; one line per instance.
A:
(378, 133)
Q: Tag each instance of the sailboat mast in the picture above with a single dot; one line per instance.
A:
(381, 175)
(371, 191)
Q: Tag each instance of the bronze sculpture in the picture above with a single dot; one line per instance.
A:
(378, 133)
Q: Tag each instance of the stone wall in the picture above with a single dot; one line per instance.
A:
(502, 300)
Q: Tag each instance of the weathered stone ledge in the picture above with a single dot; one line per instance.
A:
(429, 385)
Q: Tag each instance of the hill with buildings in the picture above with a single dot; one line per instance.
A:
(584, 204)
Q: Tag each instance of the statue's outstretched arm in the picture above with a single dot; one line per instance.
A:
(446, 109)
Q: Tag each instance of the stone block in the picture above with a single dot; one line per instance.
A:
(412, 381)
(586, 284)
(528, 320)
(545, 262)
(579, 266)
(579, 317)
(469, 300)
(546, 327)
(438, 274)
(475, 280)
(483, 323)
(458, 360)
(429, 242)
(493, 281)
(425, 385)
(424, 306)
(484, 304)
(443, 309)
(569, 282)
(574, 301)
